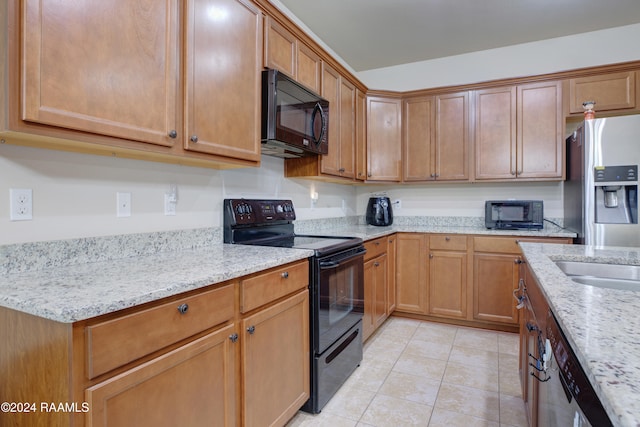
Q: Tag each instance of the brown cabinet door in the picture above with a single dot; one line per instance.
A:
(361, 135)
(330, 163)
(369, 297)
(308, 72)
(540, 131)
(280, 48)
(275, 361)
(495, 279)
(347, 129)
(495, 133)
(614, 91)
(384, 139)
(448, 283)
(375, 294)
(419, 129)
(391, 274)
(451, 161)
(108, 68)
(411, 272)
(223, 94)
(185, 386)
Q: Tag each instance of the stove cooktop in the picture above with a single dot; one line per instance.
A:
(270, 223)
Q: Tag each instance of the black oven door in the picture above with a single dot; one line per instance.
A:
(338, 297)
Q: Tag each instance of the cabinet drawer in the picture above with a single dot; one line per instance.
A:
(119, 341)
(501, 245)
(447, 242)
(375, 248)
(509, 245)
(264, 288)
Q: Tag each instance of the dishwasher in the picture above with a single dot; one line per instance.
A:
(566, 398)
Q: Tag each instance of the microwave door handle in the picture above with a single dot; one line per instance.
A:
(318, 109)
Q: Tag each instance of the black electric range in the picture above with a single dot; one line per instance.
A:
(336, 287)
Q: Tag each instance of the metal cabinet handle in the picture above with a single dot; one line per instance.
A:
(376, 264)
(430, 256)
(194, 138)
(376, 243)
(518, 261)
(251, 329)
(285, 275)
(341, 170)
(182, 308)
(447, 238)
(173, 134)
(233, 337)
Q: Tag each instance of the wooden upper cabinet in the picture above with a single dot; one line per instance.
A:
(280, 48)
(417, 140)
(284, 52)
(340, 161)
(309, 65)
(519, 132)
(495, 133)
(223, 80)
(613, 91)
(436, 138)
(361, 135)
(109, 68)
(384, 138)
(347, 129)
(451, 161)
(540, 127)
(330, 162)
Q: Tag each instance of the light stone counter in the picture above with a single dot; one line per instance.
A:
(602, 325)
(81, 291)
(368, 232)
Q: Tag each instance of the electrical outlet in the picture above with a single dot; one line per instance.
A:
(20, 204)
(123, 208)
(169, 204)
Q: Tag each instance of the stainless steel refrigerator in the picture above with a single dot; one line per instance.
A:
(601, 190)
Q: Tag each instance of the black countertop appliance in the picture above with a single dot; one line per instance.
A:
(379, 212)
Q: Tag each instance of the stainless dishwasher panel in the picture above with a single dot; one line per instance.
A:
(567, 398)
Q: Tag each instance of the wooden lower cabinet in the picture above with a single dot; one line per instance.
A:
(496, 263)
(234, 353)
(192, 385)
(494, 280)
(375, 294)
(462, 279)
(448, 283)
(379, 289)
(411, 272)
(275, 361)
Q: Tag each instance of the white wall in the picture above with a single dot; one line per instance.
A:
(74, 195)
(463, 199)
(547, 56)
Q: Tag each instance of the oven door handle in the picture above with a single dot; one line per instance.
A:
(333, 263)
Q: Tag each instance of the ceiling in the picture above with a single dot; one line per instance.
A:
(369, 34)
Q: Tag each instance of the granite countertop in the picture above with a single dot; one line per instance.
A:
(602, 325)
(77, 292)
(74, 280)
(367, 232)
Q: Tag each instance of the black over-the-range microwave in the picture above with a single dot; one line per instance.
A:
(514, 214)
(295, 120)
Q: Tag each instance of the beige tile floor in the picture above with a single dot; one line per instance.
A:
(416, 373)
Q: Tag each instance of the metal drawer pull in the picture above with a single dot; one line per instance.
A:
(285, 275)
(182, 308)
(233, 337)
(251, 329)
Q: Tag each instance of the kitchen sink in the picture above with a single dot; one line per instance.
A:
(614, 276)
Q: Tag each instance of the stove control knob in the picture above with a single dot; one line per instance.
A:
(279, 208)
